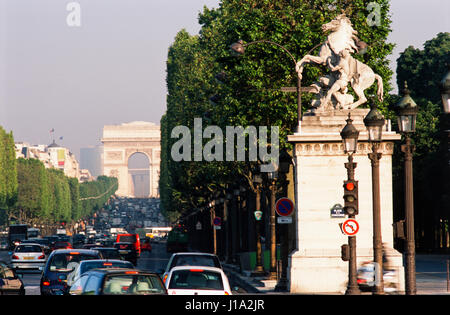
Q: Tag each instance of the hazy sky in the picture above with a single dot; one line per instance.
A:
(112, 68)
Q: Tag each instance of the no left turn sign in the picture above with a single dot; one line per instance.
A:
(350, 227)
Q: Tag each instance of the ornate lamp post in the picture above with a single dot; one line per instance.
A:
(406, 110)
(259, 269)
(350, 140)
(273, 176)
(374, 122)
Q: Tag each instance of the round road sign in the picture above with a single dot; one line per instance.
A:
(217, 221)
(350, 227)
(284, 207)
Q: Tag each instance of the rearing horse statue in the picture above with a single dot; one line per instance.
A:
(335, 55)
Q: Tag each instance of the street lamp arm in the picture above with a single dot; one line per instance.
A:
(273, 43)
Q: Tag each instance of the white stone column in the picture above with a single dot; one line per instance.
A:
(316, 265)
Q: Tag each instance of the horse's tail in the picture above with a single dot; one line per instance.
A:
(380, 87)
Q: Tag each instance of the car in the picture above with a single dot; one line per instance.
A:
(62, 245)
(108, 252)
(191, 259)
(28, 256)
(130, 238)
(127, 251)
(118, 282)
(45, 244)
(60, 264)
(91, 245)
(146, 245)
(197, 280)
(10, 283)
(86, 265)
(366, 278)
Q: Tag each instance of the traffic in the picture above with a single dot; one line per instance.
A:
(124, 249)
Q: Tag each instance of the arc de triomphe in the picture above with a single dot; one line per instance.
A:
(120, 142)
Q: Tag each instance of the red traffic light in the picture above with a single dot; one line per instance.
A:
(349, 186)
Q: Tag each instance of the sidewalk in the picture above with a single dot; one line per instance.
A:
(429, 280)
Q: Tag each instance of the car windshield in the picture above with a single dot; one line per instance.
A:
(104, 264)
(196, 279)
(109, 253)
(28, 249)
(128, 238)
(134, 284)
(123, 246)
(195, 260)
(66, 262)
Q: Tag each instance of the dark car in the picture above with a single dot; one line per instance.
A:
(127, 251)
(10, 283)
(118, 282)
(60, 264)
(62, 245)
(108, 252)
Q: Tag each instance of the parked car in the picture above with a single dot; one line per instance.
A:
(127, 251)
(118, 282)
(60, 264)
(28, 257)
(10, 283)
(197, 280)
(130, 238)
(108, 252)
(86, 265)
(191, 259)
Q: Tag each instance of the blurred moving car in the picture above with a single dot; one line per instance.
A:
(191, 259)
(86, 265)
(108, 252)
(366, 278)
(127, 251)
(60, 264)
(10, 283)
(118, 282)
(28, 256)
(197, 280)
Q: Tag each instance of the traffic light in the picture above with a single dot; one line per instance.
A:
(351, 197)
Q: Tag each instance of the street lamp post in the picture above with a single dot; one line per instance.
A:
(273, 246)
(374, 122)
(259, 269)
(350, 140)
(407, 110)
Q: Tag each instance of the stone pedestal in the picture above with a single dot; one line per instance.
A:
(316, 265)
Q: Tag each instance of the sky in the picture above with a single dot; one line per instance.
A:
(111, 68)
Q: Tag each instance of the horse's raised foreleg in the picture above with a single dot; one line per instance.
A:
(308, 59)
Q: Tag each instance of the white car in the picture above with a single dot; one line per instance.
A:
(197, 280)
(28, 256)
(191, 259)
